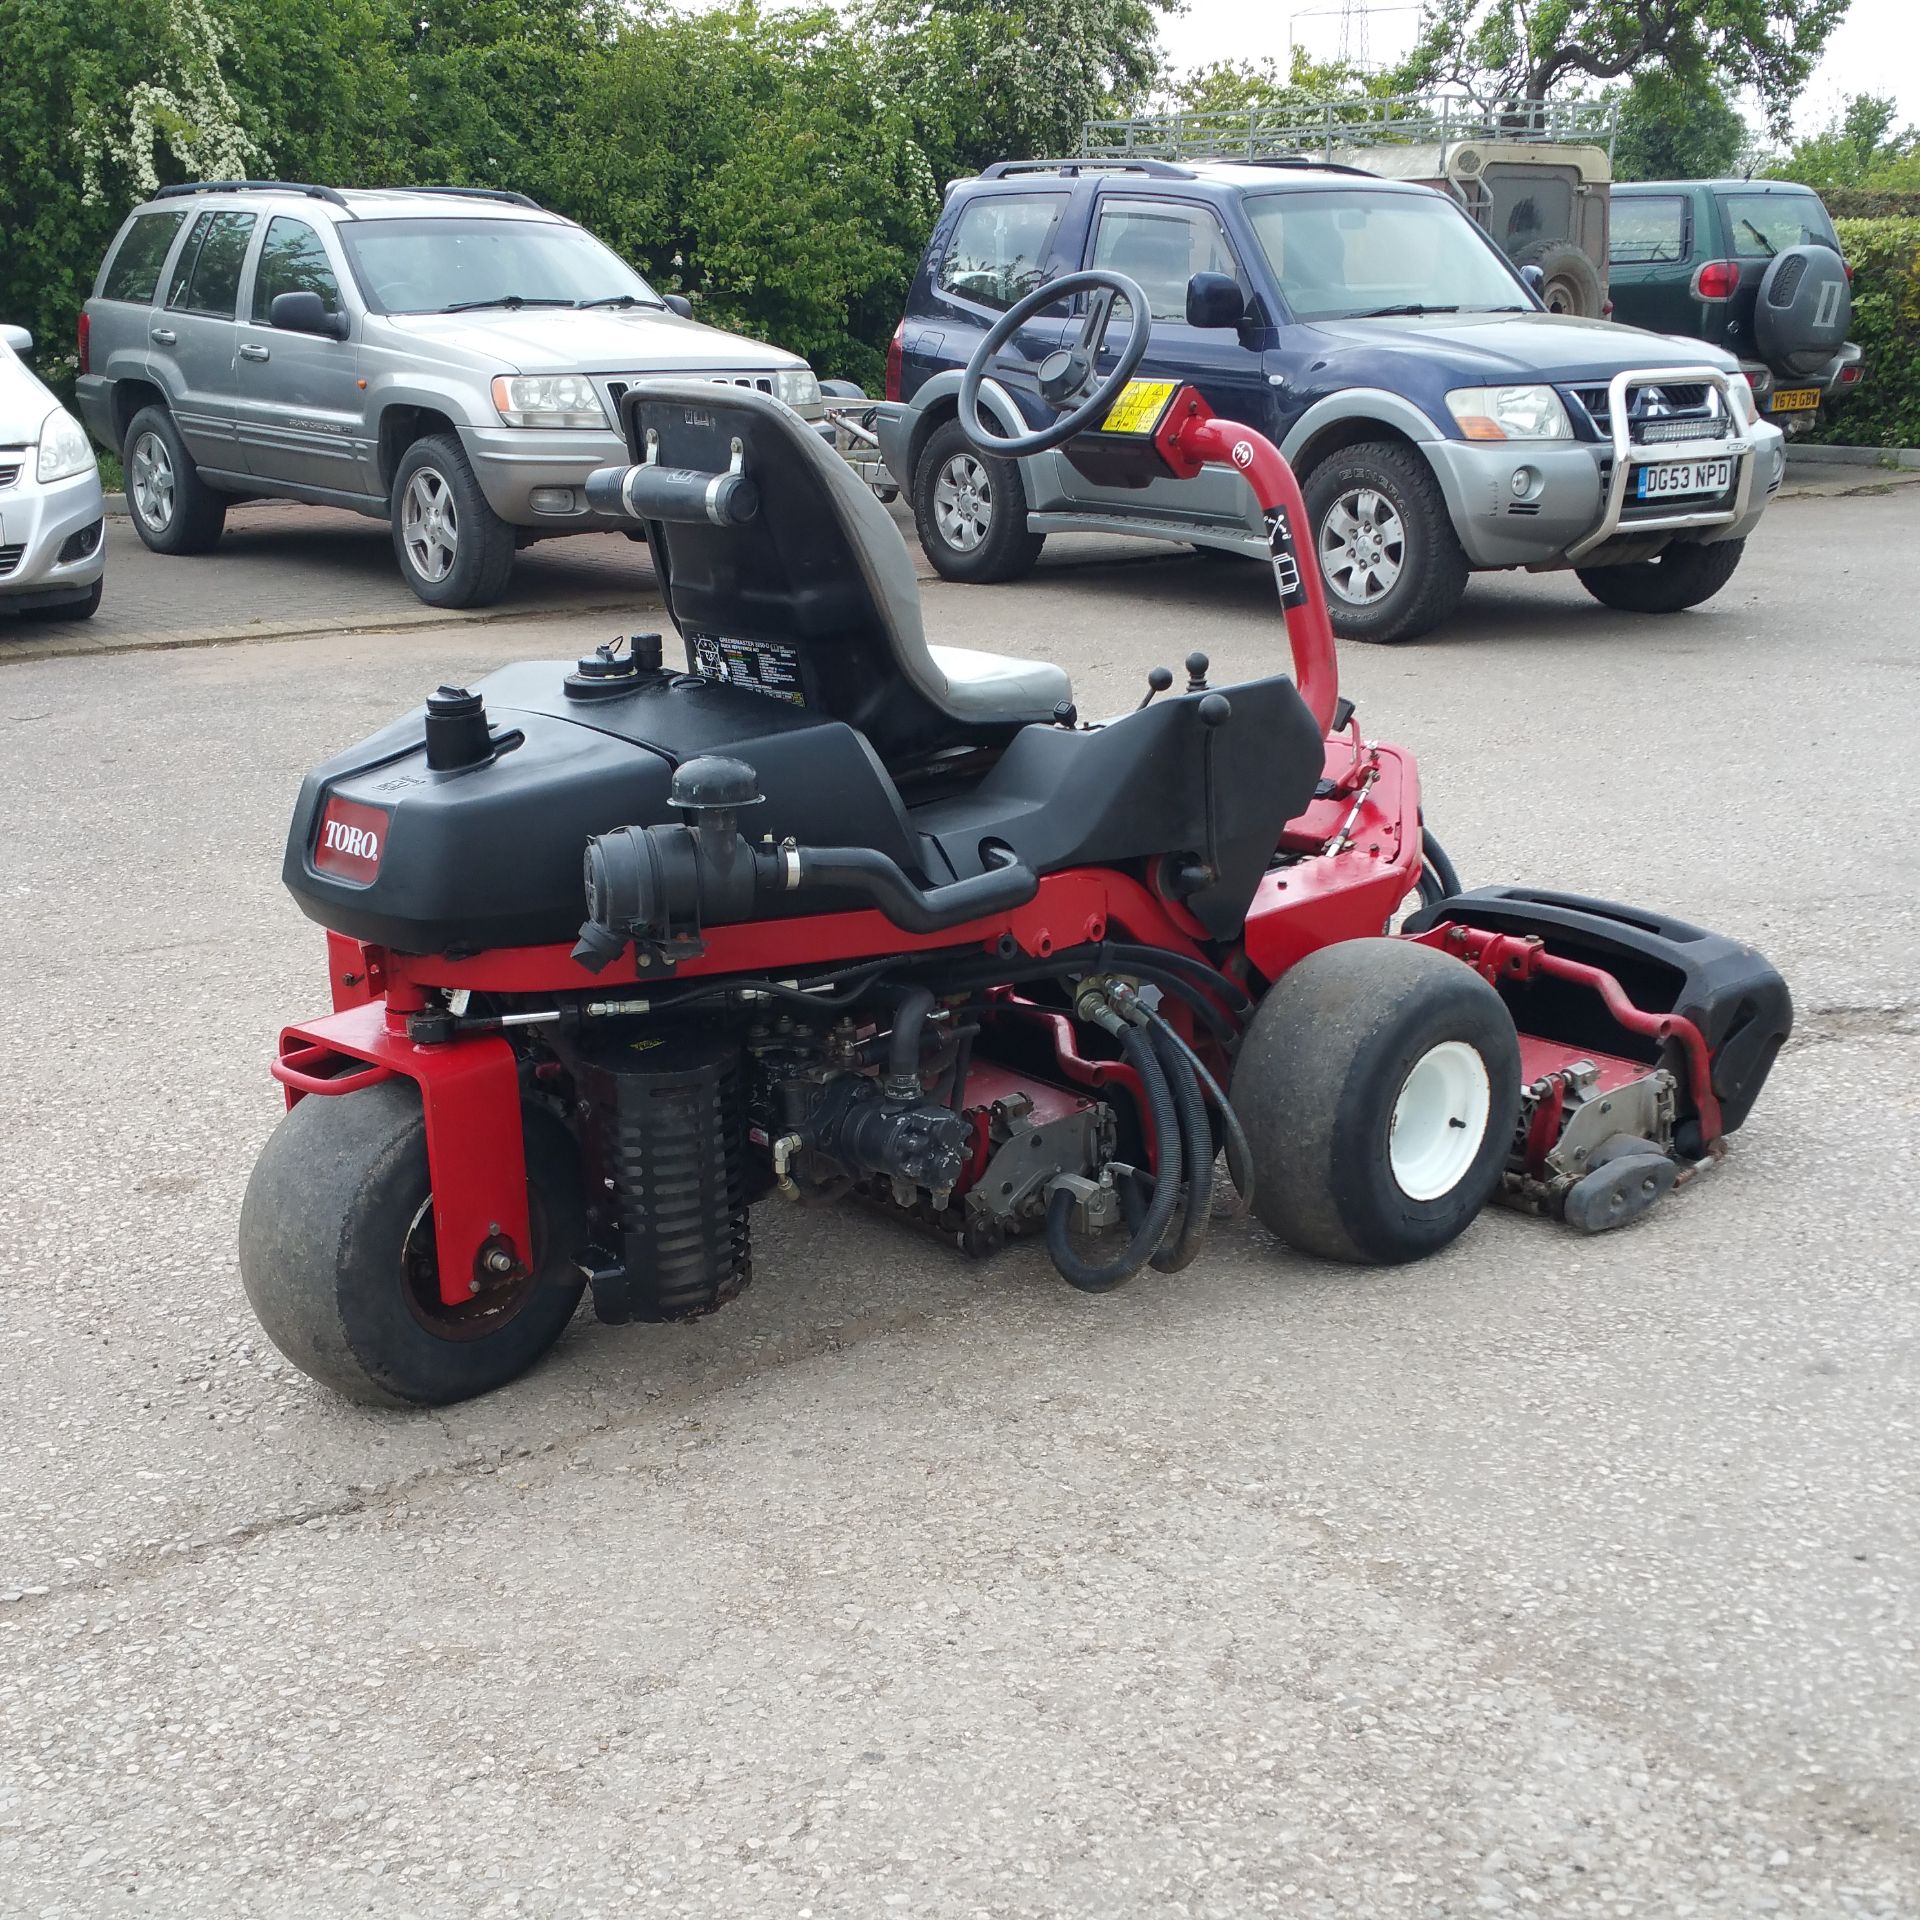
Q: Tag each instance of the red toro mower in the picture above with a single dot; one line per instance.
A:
(867, 918)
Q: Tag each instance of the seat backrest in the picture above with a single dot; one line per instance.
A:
(814, 597)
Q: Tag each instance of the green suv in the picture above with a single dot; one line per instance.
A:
(1753, 266)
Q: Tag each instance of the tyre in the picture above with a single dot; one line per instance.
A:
(453, 549)
(1392, 563)
(1379, 1085)
(76, 609)
(337, 1254)
(1681, 577)
(173, 509)
(970, 510)
(1570, 282)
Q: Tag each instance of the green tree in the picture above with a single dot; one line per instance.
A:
(1860, 147)
(1675, 129)
(1233, 86)
(1501, 50)
(1011, 79)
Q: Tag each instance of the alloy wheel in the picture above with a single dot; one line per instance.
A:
(429, 525)
(153, 482)
(1363, 546)
(963, 503)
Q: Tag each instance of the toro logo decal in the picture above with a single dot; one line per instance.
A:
(1243, 454)
(350, 841)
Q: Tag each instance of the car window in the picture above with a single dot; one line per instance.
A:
(998, 253)
(1162, 244)
(207, 280)
(432, 265)
(1759, 225)
(142, 252)
(1341, 253)
(293, 259)
(1647, 228)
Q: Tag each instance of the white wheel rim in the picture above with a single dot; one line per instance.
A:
(429, 529)
(963, 503)
(152, 476)
(1439, 1120)
(1363, 546)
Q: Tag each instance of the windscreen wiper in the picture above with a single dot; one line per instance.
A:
(511, 300)
(621, 300)
(1761, 237)
(1394, 313)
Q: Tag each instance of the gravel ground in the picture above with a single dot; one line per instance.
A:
(1556, 1576)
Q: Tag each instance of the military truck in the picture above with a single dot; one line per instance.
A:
(1533, 173)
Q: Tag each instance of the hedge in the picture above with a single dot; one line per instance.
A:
(1872, 203)
(1885, 412)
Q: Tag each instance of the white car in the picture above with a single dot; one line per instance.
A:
(53, 547)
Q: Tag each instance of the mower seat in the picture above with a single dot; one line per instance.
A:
(818, 579)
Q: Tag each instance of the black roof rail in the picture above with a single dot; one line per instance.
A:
(1154, 169)
(470, 193)
(186, 188)
(1302, 161)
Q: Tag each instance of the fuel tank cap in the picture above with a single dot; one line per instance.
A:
(615, 667)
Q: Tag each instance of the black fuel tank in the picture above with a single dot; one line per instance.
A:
(452, 860)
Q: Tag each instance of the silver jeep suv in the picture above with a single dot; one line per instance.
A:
(449, 359)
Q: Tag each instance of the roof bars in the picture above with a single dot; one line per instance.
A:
(1156, 169)
(188, 187)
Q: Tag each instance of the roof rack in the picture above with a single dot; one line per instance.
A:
(188, 187)
(506, 194)
(1327, 127)
(1157, 169)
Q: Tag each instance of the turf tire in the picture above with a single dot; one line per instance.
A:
(1318, 1077)
(326, 1216)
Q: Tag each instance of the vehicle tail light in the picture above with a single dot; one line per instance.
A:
(1848, 265)
(1606, 310)
(1717, 280)
(86, 343)
(895, 348)
(1849, 375)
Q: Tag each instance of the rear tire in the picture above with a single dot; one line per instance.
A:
(1681, 577)
(1393, 565)
(970, 510)
(173, 509)
(1379, 1085)
(453, 549)
(336, 1254)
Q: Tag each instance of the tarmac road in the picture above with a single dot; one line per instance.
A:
(1562, 1576)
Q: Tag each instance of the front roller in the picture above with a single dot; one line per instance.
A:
(1379, 1085)
(337, 1254)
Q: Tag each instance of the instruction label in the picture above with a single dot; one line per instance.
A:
(761, 666)
(1139, 407)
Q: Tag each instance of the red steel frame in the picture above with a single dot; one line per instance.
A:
(1361, 844)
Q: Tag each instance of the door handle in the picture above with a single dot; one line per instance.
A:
(256, 353)
(165, 335)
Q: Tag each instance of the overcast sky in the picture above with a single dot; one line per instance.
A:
(1876, 50)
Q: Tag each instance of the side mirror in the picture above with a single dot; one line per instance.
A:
(305, 312)
(19, 339)
(1536, 280)
(680, 304)
(1215, 300)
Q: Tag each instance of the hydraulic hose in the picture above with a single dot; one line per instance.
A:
(1439, 879)
(934, 910)
(903, 1048)
(1144, 1242)
(1239, 1149)
(1182, 1246)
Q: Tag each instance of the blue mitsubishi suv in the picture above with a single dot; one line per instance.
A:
(1441, 421)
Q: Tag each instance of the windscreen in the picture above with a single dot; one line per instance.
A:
(440, 266)
(1343, 254)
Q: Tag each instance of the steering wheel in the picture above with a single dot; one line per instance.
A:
(1066, 374)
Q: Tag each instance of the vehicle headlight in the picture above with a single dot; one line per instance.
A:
(1744, 403)
(1510, 413)
(64, 447)
(797, 386)
(548, 400)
